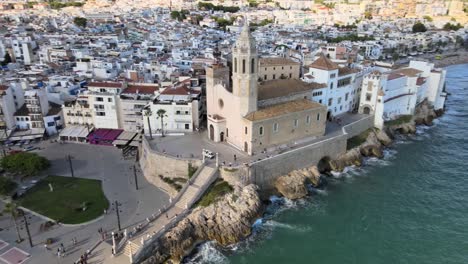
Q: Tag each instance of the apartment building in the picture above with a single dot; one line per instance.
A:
(278, 68)
(132, 101)
(104, 98)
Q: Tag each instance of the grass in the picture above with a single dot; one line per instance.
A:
(357, 140)
(73, 200)
(218, 189)
(191, 170)
(172, 182)
(231, 169)
(400, 120)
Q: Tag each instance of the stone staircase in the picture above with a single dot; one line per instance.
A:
(130, 248)
(194, 189)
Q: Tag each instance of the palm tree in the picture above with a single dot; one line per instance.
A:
(148, 114)
(161, 114)
(12, 209)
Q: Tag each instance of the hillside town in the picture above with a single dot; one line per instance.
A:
(218, 87)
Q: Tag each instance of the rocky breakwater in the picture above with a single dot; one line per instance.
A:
(226, 221)
(294, 185)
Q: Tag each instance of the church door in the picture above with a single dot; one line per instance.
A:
(211, 132)
(221, 136)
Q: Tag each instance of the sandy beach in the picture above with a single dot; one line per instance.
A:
(453, 58)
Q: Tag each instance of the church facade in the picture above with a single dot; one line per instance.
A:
(253, 116)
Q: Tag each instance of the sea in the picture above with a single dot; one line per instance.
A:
(409, 207)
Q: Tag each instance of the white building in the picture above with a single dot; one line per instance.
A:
(183, 109)
(338, 95)
(104, 99)
(132, 101)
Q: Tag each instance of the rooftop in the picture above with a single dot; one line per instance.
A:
(283, 87)
(282, 109)
(105, 84)
(141, 89)
(276, 61)
(410, 72)
(324, 63)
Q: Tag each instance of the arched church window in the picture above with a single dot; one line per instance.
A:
(252, 66)
(235, 64)
(243, 66)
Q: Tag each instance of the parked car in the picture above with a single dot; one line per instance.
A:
(208, 154)
(29, 148)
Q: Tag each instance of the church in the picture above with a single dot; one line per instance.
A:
(255, 116)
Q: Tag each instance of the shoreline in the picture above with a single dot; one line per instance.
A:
(460, 58)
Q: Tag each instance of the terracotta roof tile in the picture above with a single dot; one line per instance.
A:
(324, 63)
(282, 109)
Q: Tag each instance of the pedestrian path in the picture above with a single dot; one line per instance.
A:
(181, 205)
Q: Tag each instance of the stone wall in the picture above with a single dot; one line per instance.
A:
(359, 126)
(235, 176)
(154, 163)
(264, 172)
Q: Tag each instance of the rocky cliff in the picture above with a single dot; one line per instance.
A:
(227, 221)
(294, 185)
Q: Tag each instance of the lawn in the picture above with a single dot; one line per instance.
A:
(73, 200)
(218, 189)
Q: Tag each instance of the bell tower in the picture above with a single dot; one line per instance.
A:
(244, 71)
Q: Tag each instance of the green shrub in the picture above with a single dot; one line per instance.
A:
(6, 186)
(218, 189)
(24, 163)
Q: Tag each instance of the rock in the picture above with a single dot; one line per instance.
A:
(315, 177)
(439, 112)
(227, 221)
(350, 158)
(292, 186)
(383, 137)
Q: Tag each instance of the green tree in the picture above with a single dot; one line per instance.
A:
(428, 18)
(419, 27)
(6, 59)
(12, 209)
(6, 185)
(148, 114)
(161, 113)
(395, 56)
(367, 15)
(80, 21)
(24, 163)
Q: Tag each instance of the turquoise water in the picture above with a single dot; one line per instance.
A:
(410, 207)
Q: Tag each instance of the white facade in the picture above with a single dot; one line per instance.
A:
(104, 99)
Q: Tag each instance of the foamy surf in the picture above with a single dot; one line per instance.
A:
(208, 253)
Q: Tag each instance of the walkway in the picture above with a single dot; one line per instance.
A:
(179, 206)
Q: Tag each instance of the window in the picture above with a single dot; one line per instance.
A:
(235, 64)
(318, 117)
(333, 75)
(290, 75)
(308, 119)
(274, 68)
(282, 67)
(109, 100)
(331, 85)
(275, 127)
(245, 130)
(187, 126)
(320, 101)
(290, 67)
(252, 66)
(369, 86)
(339, 100)
(101, 113)
(346, 96)
(296, 123)
(243, 66)
(227, 132)
(274, 76)
(177, 112)
(330, 101)
(260, 131)
(50, 124)
(368, 96)
(99, 99)
(265, 77)
(102, 90)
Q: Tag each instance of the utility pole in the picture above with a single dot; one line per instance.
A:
(27, 228)
(117, 212)
(135, 175)
(71, 165)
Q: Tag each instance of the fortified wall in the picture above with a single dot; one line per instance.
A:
(154, 163)
(264, 172)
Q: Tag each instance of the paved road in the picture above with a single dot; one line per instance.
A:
(94, 162)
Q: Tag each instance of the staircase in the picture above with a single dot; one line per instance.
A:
(193, 190)
(130, 248)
